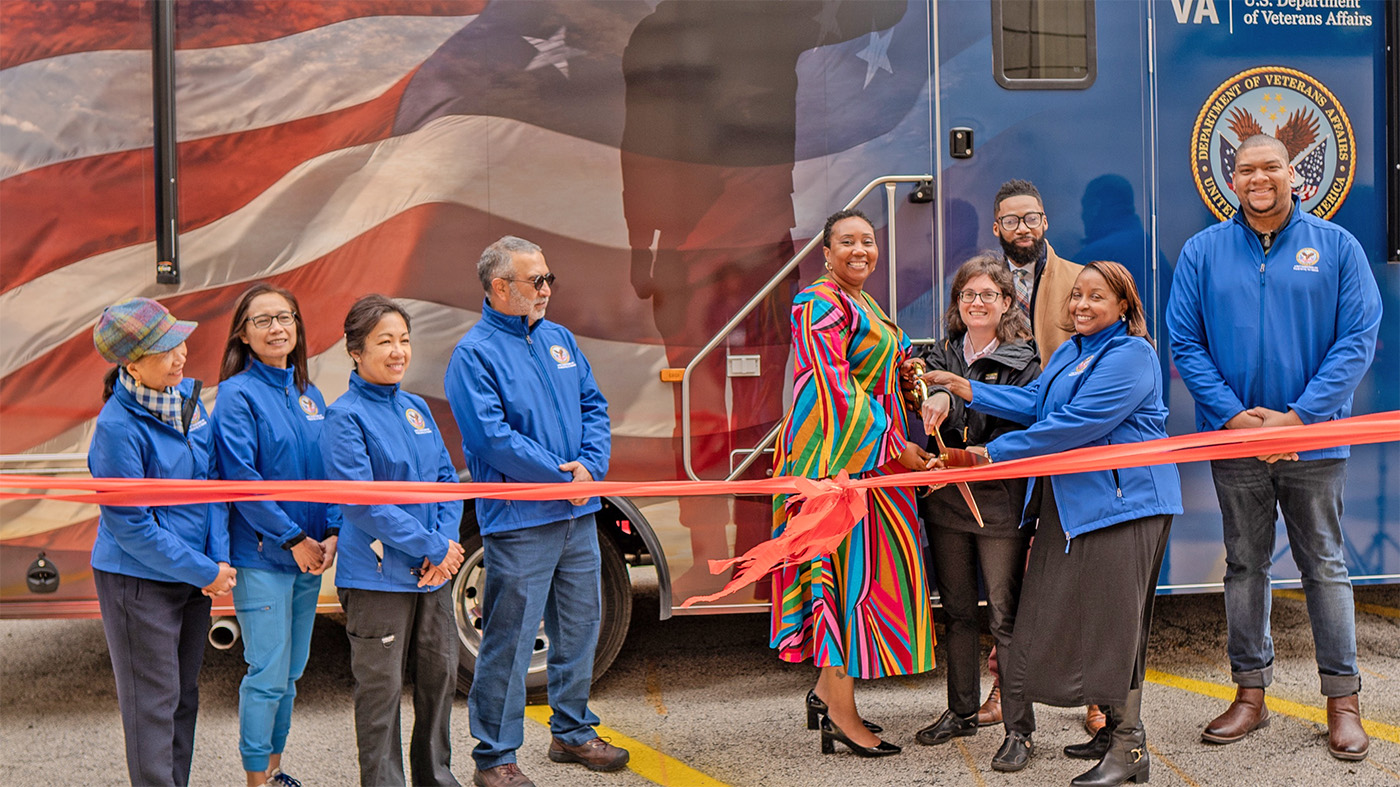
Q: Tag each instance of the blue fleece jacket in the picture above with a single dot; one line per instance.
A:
(1101, 389)
(166, 543)
(1291, 329)
(264, 429)
(526, 402)
(380, 433)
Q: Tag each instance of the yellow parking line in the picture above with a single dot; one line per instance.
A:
(1376, 729)
(1162, 758)
(971, 765)
(646, 762)
(1361, 606)
(1384, 769)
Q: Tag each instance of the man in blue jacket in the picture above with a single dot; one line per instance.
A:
(530, 411)
(1273, 318)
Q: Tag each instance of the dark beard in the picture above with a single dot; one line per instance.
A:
(1023, 256)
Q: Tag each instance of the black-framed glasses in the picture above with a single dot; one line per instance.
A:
(1011, 221)
(987, 296)
(264, 321)
(538, 281)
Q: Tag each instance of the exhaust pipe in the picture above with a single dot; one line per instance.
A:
(223, 633)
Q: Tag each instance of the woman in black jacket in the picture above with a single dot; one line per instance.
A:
(988, 340)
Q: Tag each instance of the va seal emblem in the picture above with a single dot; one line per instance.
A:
(1307, 256)
(308, 405)
(561, 357)
(1295, 109)
(415, 419)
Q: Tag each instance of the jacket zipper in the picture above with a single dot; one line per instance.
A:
(1116, 483)
(544, 374)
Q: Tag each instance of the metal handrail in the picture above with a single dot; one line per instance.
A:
(889, 181)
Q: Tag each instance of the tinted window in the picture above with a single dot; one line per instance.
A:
(1043, 44)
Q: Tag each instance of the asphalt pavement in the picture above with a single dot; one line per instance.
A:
(702, 701)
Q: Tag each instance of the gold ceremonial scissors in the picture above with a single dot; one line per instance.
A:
(943, 453)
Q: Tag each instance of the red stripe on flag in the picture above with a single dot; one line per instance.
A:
(61, 389)
(52, 222)
(36, 29)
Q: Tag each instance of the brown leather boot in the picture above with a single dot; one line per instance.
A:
(1094, 719)
(990, 712)
(597, 754)
(1246, 714)
(1346, 739)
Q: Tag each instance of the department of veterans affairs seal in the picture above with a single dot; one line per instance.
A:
(1295, 109)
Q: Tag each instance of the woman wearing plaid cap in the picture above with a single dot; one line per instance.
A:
(155, 567)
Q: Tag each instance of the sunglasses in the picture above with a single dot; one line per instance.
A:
(538, 281)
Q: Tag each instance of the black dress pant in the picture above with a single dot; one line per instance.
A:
(155, 635)
(956, 557)
(390, 631)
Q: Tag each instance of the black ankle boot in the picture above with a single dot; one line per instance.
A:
(1097, 746)
(1126, 759)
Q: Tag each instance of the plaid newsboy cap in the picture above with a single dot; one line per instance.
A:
(136, 327)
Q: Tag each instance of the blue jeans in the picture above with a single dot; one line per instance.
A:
(1309, 493)
(551, 572)
(276, 611)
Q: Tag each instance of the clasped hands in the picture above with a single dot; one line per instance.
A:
(1258, 417)
(431, 573)
(315, 557)
(223, 583)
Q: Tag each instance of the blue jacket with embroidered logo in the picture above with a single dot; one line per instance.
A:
(1101, 389)
(165, 543)
(264, 429)
(381, 433)
(1293, 329)
(526, 402)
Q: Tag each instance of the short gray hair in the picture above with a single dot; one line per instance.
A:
(495, 261)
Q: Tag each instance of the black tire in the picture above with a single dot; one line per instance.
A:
(466, 594)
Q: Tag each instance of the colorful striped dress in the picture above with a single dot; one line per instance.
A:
(865, 607)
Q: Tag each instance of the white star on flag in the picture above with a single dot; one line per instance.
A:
(554, 52)
(876, 55)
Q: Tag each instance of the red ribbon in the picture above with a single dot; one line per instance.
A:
(828, 508)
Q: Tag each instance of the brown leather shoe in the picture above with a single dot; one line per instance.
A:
(1346, 739)
(1246, 714)
(990, 712)
(1094, 719)
(507, 775)
(597, 754)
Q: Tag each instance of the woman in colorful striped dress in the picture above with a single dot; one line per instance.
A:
(861, 612)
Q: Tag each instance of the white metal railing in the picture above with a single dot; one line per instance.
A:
(890, 182)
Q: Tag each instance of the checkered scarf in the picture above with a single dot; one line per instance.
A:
(165, 405)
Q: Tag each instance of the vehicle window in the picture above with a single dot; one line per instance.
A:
(1043, 44)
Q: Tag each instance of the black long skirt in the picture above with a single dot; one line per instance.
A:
(1082, 626)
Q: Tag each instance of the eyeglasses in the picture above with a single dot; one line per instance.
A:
(1011, 221)
(538, 281)
(264, 321)
(988, 296)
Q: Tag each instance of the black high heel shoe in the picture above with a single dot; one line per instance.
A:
(831, 733)
(816, 709)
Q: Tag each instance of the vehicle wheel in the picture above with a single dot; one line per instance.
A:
(470, 583)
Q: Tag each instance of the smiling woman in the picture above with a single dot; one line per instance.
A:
(155, 567)
(268, 426)
(1101, 535)
(844, 609)
(396, 560)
